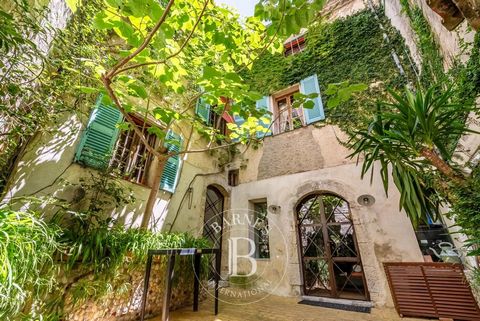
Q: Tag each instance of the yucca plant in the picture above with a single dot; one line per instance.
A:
(411, 137)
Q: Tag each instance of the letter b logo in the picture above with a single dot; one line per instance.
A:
(234, 256)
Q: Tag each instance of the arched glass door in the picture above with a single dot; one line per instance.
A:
(213, 216)
(331, 263)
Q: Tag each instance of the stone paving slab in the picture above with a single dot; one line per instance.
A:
(274, 308)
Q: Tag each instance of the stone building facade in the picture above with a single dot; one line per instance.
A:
(307, 165)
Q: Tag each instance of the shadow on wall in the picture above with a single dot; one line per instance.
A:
(47, 158)
(47, 170)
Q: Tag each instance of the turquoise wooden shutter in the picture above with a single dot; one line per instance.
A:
(171, 169)
(99, 137)
(239, 122)
(203, 110)
(308, 86)
(264, 104)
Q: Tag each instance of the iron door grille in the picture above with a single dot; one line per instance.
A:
(435, 290)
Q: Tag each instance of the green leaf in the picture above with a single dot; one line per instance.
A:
(138, 90)
(88, 90)
(157, 131)
(309, 104)
(72, 4)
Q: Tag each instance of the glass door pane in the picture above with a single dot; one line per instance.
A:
(330, 259)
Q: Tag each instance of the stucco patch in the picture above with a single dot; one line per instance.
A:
(289, 153)
(385, 251)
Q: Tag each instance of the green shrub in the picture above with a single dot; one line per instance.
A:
(89, 254)
(27, 269)
(465, 210)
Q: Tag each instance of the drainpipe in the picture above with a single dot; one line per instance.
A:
(395, 57)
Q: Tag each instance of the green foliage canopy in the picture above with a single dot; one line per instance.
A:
(172, 53)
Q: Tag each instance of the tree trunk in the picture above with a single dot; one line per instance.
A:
(441, 165)
(153, 191)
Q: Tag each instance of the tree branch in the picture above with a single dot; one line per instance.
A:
(270, 42)
(107, 84)
(172, 55)
(145, 43)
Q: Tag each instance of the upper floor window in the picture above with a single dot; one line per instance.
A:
(131, 158)
(103, 145)
(218, 122)
(294, 45)
(210, 117)
(283, 117)
(286, 117)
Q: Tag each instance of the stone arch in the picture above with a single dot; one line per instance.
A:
(326, 240)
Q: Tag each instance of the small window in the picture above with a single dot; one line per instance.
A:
(286, 117)
(261, 231)
(293, 46)
(233, 177)
(131, 158)
(218, 122)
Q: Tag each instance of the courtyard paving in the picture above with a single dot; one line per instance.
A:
(274, 308)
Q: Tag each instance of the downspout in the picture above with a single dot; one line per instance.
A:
(396, 59)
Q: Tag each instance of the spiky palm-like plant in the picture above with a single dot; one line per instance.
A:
(410, 136)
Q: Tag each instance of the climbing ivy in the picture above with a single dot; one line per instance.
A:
(33, 101)
(432, 70)
(463, 77)
(350, 49)
(467, 75)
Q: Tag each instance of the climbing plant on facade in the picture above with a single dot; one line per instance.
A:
(173, 53)
(351, 49)
(38, 87)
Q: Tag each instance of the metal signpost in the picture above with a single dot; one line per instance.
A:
(172, 253)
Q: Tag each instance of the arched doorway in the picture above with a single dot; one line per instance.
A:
(330, 259)
(213, 217)
(213, 222)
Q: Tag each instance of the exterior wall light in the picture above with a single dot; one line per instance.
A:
(366, 200)
(274, 209)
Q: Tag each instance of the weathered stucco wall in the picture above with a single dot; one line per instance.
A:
(48, 169)
(450, 42)
(399, 20)
(335, 9)
(383, 232)
(296, 151)
(293, 152)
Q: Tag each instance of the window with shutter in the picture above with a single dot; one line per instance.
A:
(172, 166)
(100, 135)
(309, 86)
(203, 110)
(264, 104)
(287, 118)
(131, 159)
(239, 120)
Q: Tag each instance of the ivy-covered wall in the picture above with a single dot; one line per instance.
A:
(350, 49)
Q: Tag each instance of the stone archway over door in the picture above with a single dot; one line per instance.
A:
(330, 260)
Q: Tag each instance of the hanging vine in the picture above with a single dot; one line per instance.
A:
(349, 49)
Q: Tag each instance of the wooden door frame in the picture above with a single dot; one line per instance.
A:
(326, 247)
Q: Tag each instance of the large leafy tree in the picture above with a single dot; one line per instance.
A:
(168, 54)
(410, 138)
